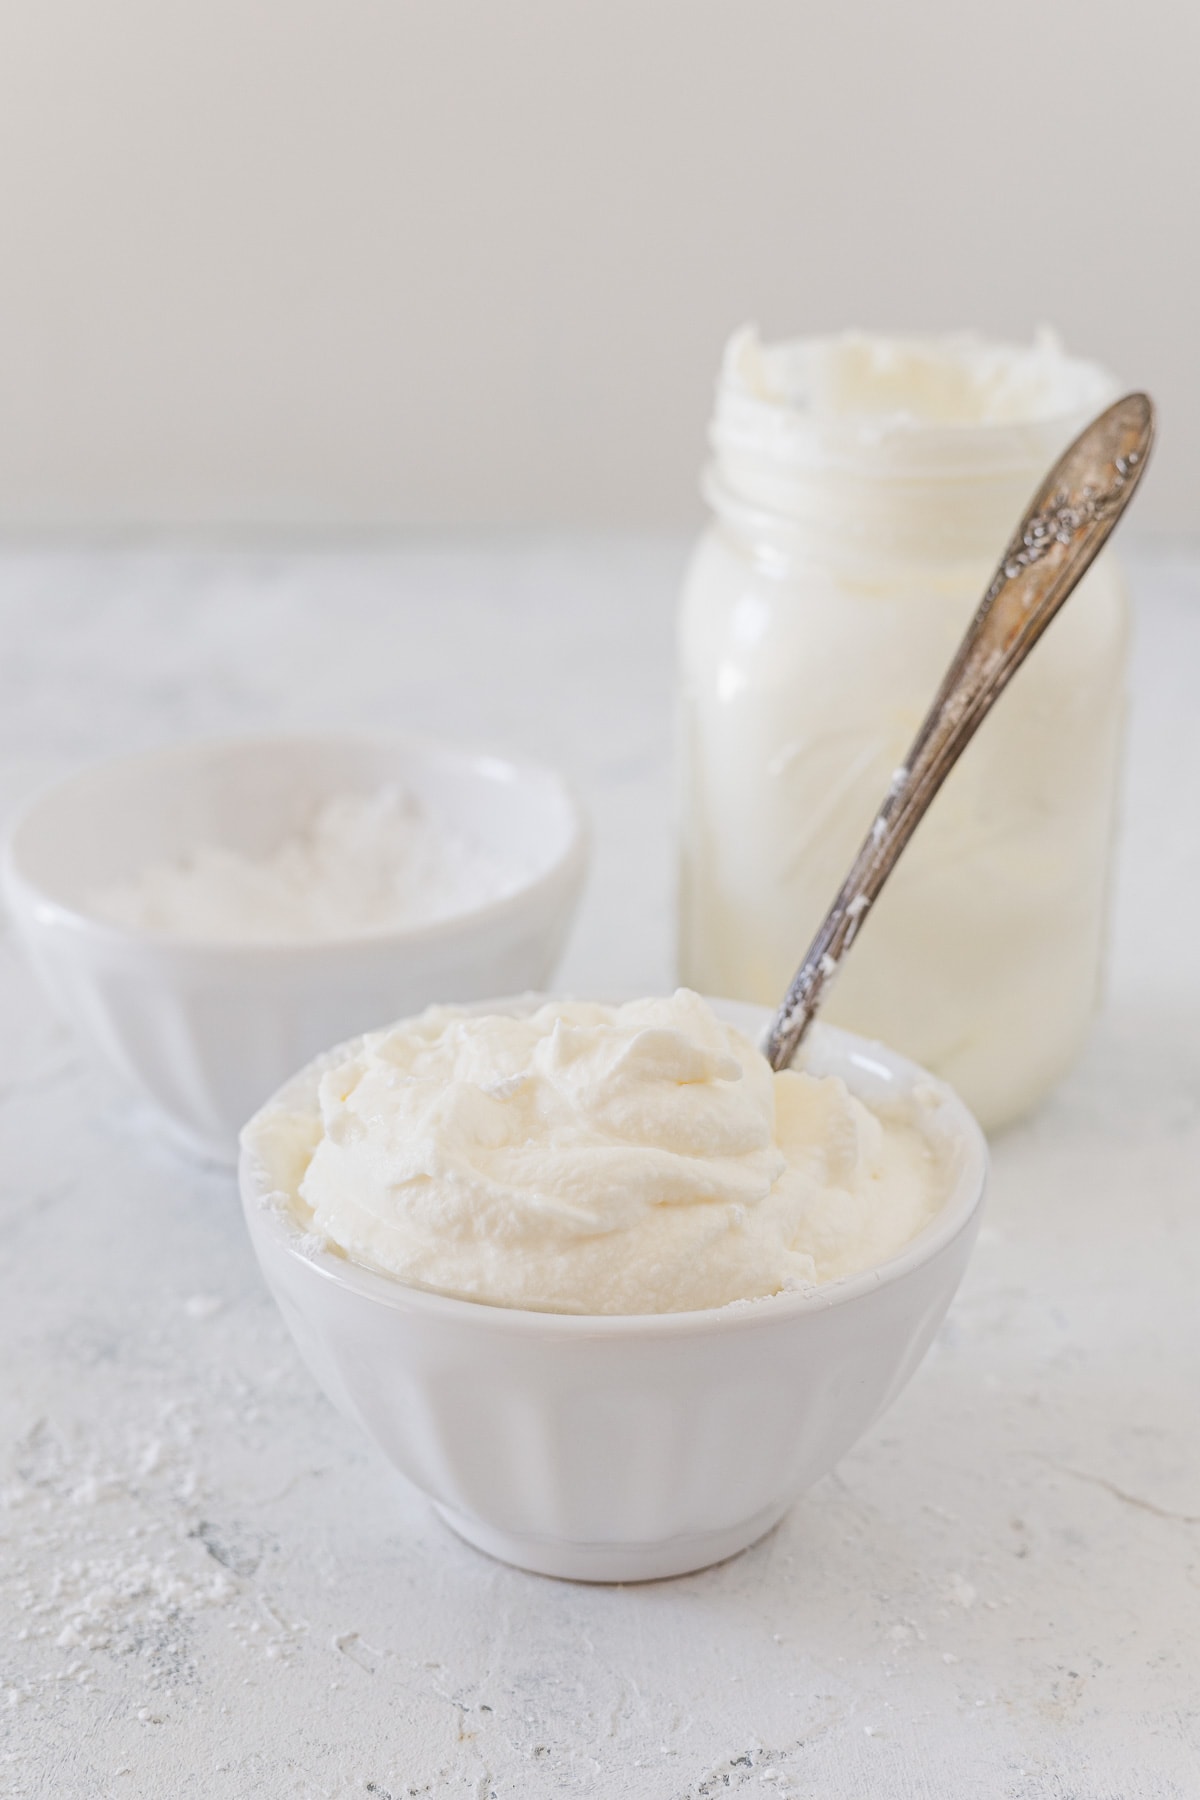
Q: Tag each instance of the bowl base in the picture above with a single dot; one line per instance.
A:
(613, 1562)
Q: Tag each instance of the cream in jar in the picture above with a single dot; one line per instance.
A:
(863, 489)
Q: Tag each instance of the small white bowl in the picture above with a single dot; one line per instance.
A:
(623, 1448)
(206, 1031)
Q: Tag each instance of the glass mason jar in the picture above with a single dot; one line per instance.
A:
(862, 492)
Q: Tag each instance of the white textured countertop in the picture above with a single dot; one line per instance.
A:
(211, 1587)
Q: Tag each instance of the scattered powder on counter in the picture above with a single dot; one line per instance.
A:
(126, 1593)
(366, 862)
(113, 1562)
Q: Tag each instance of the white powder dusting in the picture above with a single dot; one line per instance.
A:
(364, 863)
(112, 1563)
(203, 1306)
(961, 1591)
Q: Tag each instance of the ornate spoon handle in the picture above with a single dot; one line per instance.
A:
(1067, 522)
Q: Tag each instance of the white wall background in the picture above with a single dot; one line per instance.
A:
(472, 261)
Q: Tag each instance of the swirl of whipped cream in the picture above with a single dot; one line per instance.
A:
(601, 1159)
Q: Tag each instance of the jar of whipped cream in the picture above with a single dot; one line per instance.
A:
(862, 491)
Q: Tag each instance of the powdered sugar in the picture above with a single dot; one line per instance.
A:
(112, 1557)
(364, 863)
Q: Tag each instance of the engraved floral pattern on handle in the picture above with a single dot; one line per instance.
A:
(1064, 517)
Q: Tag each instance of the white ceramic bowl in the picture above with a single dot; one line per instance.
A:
(623, 1448)
(207, 1031)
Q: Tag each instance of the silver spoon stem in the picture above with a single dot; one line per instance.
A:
(1064, 528)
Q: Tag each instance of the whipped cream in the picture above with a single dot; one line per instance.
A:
(910, 382)
(596, 1159)
(365, 862)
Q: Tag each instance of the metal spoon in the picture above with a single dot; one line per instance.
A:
(1067, 522)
